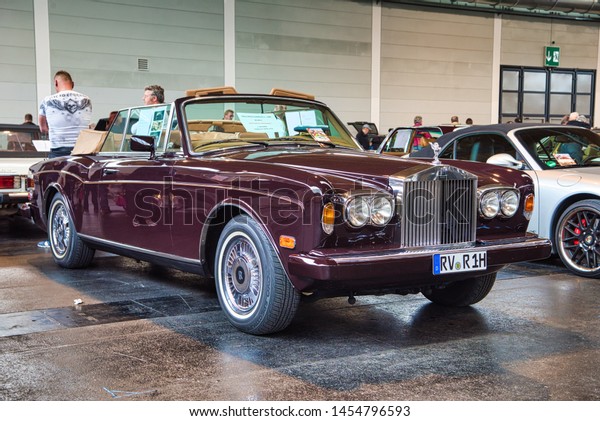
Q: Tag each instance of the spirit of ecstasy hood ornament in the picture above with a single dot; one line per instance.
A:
(436, 151)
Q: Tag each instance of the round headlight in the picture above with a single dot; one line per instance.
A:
(509, 203)
(357, 211)
(489, 204)
(381, 210)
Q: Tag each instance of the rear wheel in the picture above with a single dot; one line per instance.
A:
(253, 289)
(462, 293)
(68, 249)
(578, 238)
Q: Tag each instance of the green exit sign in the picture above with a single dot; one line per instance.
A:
(551, 56)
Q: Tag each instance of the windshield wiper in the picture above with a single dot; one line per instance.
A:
(217, 142)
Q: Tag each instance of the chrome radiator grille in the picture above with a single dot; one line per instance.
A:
(442, 211)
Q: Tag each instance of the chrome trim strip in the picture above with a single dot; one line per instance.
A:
(399, 254)
(298, 203)
(139, 249)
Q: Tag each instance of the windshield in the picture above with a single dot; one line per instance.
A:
(561, 147)
(214, 125)
(20, 140)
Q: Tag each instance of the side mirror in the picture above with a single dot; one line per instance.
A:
(505, 160)
(141, 143)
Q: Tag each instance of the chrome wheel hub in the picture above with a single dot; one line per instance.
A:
(242, 275)
(61, 231)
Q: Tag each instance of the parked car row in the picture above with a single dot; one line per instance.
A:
(283, 204)
(563, 162)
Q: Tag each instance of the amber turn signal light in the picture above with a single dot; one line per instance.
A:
(328, 218)
(287, 242)
(529, 203)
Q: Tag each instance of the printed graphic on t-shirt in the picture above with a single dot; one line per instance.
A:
(67, 113)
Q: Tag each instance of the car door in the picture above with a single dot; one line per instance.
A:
(131, 190)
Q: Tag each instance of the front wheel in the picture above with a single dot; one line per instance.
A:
(462, 293)
(578, 238)
(253, 289)
(68, 249)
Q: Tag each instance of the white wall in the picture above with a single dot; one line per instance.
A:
(524, 39)
(17, 61)
(434, 62)
(318, 47)
(99, 44)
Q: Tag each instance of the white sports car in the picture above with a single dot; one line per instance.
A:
(19, 146)
(564, 162)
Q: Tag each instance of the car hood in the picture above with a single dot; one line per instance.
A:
(353, 168)
(568, 177)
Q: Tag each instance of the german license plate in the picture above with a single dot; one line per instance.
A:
(459, 262)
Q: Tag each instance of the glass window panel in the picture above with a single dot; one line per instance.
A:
(533, 103)
(555, 120)
(561, 82)
(583, 104)
(510, 80)
(584, 84)
(534, 81)
(560, 104)
(509, 103)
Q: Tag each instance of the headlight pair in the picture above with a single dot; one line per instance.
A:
(360, 210)
(503, 202)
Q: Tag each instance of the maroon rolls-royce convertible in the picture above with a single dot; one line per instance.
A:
(281, 203)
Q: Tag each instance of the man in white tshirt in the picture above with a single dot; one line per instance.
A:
(64, 114)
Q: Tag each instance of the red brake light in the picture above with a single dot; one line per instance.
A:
(9, 182)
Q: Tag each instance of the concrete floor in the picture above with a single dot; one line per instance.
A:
(148, 333)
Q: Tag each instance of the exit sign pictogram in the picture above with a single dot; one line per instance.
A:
(551, 56)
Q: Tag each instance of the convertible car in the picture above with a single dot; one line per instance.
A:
(281, 203)
(564, 162)
(19, 145)
(403, 140)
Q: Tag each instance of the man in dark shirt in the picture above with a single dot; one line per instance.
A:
(29, 120)
(363, 137)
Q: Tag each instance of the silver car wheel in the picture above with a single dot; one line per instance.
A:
(253, 289)
(241, 274)
(60, 230)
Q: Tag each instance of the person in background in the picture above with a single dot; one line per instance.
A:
(420, 138)
(362, 137)
(469, 121)
(279, 113)
(576, 119)
(228, 115)
(63, 115)
(29, 120)
(454, 120)
(153, 94)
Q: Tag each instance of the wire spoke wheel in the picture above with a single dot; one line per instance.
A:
(243, 275)
(68, 249)
(60, 230)
(254, 290)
